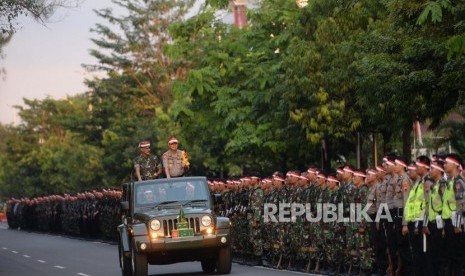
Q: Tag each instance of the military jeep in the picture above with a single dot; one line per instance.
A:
(172, 220)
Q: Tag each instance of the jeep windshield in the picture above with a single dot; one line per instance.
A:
(169, 192)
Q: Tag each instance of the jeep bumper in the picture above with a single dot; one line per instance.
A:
(162, 245)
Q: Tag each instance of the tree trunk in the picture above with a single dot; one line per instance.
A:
(407, 141)
(326, 151)
(387, 147)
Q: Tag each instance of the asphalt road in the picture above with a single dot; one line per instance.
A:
(37, 254)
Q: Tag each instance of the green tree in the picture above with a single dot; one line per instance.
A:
(131, 103)
(40, 10)
(231, 100)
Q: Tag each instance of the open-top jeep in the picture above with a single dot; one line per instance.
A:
(172, 220)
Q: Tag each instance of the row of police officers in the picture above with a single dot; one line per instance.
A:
(414, 223)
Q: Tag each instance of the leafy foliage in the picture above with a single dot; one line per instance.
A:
(296, 87)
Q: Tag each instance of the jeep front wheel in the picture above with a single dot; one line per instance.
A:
(139, 263)
(224, 260)
(209, 265)
(124, 262)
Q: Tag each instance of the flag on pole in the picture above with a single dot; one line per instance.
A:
(417, 131)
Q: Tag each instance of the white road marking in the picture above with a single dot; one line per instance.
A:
(41, 261)
(60, 267)
(26, 256)
(4, 248)
(293, 272)
(82, 274)
(16, 252)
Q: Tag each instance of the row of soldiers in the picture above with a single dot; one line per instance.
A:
(420, 234)
(415, 224)
(93, 214)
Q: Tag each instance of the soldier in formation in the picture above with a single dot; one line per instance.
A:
(146, 165)
(92, 214)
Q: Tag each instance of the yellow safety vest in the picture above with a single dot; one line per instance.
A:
(416, 202)
(449, 203)
(435, 202)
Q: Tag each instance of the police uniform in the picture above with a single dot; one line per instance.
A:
(173, 160)
(414, 213)
(452, 214)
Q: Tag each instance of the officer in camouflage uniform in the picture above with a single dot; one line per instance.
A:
(283, 228)
(322, 230)
(296, 225)
(233, 216)
(267, 239)
(288, 235)
(226, 197)
(275, 232)
(332, 252)
(343, 230)
(147, 166)
(373, 226)
(241, 218)
(310, 237)
(361, 237)
(255, 219)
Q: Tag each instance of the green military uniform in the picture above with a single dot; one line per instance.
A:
(296, 229)
(255, 220)
(329, 249)
(363, 247)
(275, 234)
(150, 166)
(344, 230)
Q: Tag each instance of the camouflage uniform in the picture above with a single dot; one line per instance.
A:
(267, 228)
(255, 219)
(308, 236)
(345, 231)
(150, 166)
(243, 224)
(282, 228)
(332, 243)
(296, 229)
(321, 229)
(362, 236)
(275, 234)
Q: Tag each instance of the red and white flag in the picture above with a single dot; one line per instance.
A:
(417, 132)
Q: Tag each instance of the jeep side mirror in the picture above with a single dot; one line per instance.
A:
(124, 206)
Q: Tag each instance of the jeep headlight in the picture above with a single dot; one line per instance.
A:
(206, 220)
(155, 225)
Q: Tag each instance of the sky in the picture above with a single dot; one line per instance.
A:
(46, 60)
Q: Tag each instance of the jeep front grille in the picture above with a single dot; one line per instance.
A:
(170, 224)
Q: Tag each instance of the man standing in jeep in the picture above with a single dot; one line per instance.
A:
(146, 165)
(175, 161)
